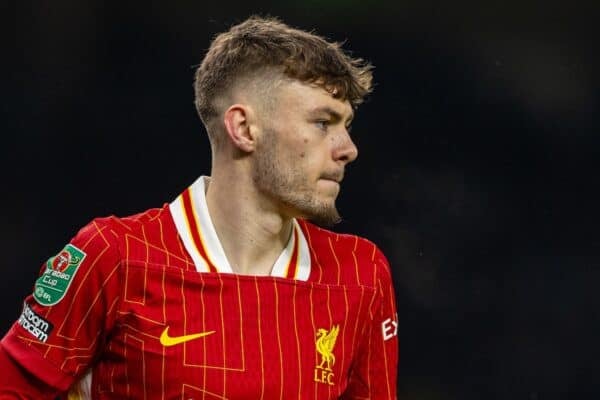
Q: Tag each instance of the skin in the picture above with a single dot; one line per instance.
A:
(279, 162)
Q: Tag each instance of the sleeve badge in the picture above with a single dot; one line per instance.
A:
(51, 286)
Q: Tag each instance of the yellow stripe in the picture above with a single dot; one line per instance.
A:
(145, 269)
(356, 269)
(241, 314)
(223, 334)
(360, 304)
(281, 371)
(343, 338)
(330, 324)
(337, 262)
(187, 224)
(314, 329)
(164, 309)
(297, 342)
(204, 362)
(211, 259)
(184, 312)
(262, 366)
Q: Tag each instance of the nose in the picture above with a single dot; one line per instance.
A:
(345, 150)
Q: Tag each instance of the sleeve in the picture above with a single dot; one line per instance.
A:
(65, 321)
(17, 383)
(374, 372)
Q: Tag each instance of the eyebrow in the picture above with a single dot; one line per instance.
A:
(328, 110)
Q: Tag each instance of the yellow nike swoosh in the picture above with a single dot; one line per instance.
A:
(167, 340)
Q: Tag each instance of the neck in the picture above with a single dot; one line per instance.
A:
(252, 235)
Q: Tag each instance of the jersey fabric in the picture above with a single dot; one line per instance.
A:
(147, 307)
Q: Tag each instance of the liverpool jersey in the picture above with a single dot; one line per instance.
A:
(148, 307)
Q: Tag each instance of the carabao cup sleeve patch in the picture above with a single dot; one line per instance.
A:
(53, 283)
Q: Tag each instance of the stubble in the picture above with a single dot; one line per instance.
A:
(280, 178)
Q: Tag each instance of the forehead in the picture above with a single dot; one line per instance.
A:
(297, 96)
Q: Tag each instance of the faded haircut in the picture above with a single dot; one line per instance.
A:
(263, 44)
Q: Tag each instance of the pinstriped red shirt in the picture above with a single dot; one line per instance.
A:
(152, 310)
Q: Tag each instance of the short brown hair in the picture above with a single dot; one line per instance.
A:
(260, 43)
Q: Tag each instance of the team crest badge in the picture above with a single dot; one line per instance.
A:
(52, 285)
(325, 343)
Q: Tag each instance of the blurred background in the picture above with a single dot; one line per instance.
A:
(477, 172)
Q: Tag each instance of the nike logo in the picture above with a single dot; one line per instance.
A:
(167, 340)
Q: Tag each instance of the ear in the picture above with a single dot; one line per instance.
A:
(237, 121)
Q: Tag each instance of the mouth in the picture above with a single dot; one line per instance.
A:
(336, 176)
(330, 183)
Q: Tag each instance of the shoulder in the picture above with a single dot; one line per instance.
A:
(116, 228)
(130, 223)
(358, 259)
(109, 237)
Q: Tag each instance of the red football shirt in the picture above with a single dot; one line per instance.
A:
(147, 307)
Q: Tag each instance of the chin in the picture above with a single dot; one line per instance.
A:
(316, 206)
(325, 221)
(324, 215)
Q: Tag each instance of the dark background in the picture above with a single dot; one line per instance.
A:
(477, 172)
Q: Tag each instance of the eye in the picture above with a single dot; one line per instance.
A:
(322, 124)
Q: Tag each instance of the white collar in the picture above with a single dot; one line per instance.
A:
(194, 225)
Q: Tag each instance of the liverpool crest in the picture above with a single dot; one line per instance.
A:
(325, 343)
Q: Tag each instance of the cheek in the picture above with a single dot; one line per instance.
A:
(309, 154)
(303, 148)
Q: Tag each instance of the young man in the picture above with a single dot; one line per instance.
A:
(227, 292)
